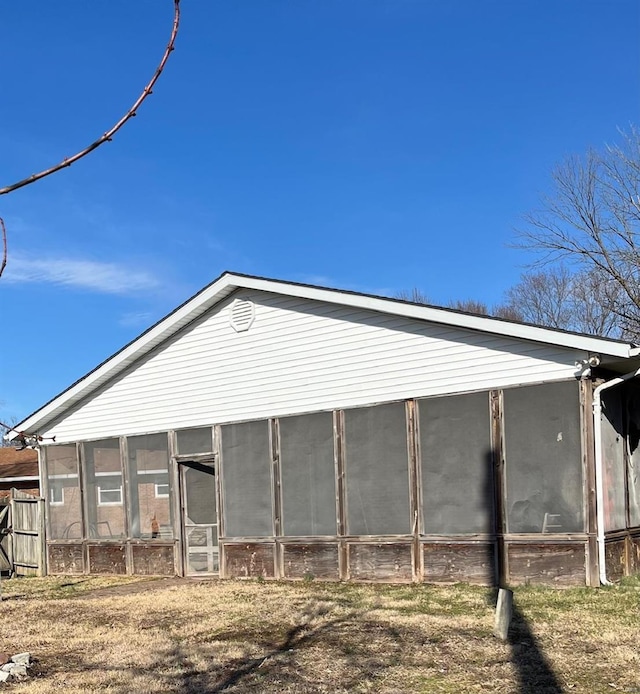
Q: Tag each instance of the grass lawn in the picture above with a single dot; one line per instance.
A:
(123, 635)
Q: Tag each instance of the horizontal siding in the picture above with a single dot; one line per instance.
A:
(300, 356)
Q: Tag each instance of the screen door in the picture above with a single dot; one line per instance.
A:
(200, 517)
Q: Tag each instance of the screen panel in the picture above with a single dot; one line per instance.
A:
(543, 459)
(150, 490)
(307, 471)
(613, 460)
(64, 507)
(105, 489)
(377, 470)
(633, 418)
(246, 465)
(194, 441)
(456, 464)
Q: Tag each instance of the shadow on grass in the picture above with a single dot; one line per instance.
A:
(535, 674)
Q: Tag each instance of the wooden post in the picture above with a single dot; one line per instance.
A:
(504, 611)
(42, 540)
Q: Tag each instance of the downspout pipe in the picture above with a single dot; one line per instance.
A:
(597, 436)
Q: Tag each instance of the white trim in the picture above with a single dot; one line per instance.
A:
(33, 478)
(228, 283)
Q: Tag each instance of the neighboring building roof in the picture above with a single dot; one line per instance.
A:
(18, 466)
(228, 283)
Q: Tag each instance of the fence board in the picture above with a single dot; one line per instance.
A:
(28, 540)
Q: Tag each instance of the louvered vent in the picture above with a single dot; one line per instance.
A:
(241, 315)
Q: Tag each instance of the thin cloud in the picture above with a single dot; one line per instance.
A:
(104, 278)
(136, 320)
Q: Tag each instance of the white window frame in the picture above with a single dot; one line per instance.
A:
(159, 494)
(100, 492)
(52, 489)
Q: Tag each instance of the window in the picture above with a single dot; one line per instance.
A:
(109, 492)
(56, 494)
(162, 490)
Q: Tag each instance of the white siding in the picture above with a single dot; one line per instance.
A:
(300, 356)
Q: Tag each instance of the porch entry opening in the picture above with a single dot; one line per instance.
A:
(199, 517)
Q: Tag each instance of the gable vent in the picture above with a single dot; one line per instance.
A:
(241, 315)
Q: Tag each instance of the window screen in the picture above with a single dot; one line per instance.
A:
(308, 475)
(246, 462)
(150, 512)
(457, 464)
(543, 458)
(633, 415)
(377, 470)
(613, 462)
(194, 441)
(104, 476)
(65, 508)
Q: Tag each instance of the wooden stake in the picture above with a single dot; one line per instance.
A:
(504, 611)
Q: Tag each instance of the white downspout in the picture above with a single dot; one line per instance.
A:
(597, 436)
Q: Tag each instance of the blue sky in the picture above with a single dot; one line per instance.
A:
(374, 145)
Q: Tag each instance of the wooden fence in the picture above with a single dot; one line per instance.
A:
(22, 535)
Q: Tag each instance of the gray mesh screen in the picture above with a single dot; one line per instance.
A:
(150, 507)
(543, 458)
(457, 465)
(613, 460)
(246, 463)
(308, 475)
(200, 493)
(633, 415)
(377, 470)
(194, 441)
(64, 509)
(105, 489)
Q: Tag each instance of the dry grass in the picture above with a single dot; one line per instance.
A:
(180, 636)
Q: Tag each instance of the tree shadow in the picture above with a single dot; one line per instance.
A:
(535, 674)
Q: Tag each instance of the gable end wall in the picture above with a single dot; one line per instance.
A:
(300, 356)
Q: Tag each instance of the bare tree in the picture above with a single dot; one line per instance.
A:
(106, 137)
(559, 298)
(5, 428)
(417, 296)
(591, 220)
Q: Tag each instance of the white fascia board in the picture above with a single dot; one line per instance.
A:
(228, 283)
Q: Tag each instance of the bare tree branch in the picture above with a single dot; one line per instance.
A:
(4, 247)
(107, 137)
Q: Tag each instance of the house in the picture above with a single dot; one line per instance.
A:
(18, 470)
(268, 428)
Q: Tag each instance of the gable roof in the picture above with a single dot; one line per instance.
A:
(228, 283)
